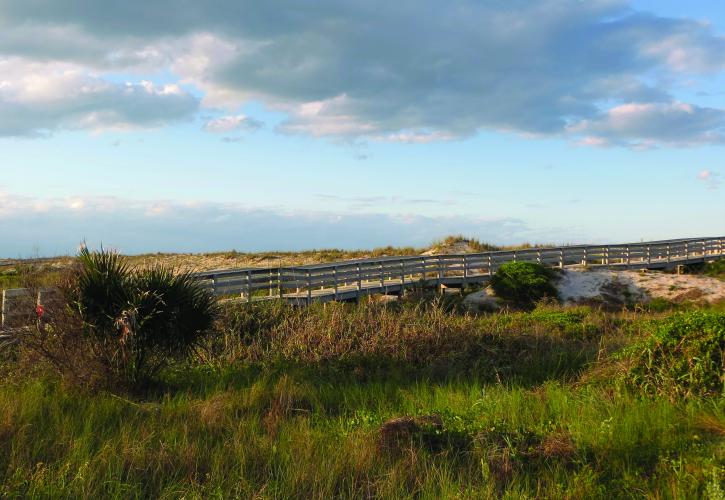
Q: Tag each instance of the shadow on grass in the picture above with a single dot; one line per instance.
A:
(519, 361)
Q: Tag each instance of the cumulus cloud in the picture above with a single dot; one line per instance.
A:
(56, 226)
(400, 71)
(39, 98)
(645, 124)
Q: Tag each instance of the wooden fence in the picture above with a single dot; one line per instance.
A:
(351, 279)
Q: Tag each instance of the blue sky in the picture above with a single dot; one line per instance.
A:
(352, 124)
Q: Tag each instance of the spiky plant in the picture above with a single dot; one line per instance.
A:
(138, 320)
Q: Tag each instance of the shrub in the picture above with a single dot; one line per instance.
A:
(117, 325)
(682, 357)
(524, 283)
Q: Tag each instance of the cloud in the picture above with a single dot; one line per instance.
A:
(401, 71)
(233, 123)
(638, 124)
(37, 99)
(375, 202)
(56, 226)
(710, 178)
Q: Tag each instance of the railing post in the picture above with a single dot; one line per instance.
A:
(627, 255)
(249, 286)
(402, 274)
(490, 261)
(606, 256)
(561, 258)
(359, 278)
(335, 275)
(538, 256)
(465, 266)
(687, 251)
(279, 282)
(213, 284)
(382, 276)
(649, 257)
(514, 255)
(309, 287)
(584, 261)
(668, 253)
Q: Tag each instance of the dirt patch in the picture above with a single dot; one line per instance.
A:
(397, 433)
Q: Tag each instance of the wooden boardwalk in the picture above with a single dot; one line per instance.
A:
(349, 280)
(352, 279)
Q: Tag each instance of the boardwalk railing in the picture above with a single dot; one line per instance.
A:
(349, 279)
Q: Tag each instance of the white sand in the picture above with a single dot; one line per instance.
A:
(623, 287)
(641, 286)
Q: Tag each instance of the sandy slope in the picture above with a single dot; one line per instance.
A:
(576, 286)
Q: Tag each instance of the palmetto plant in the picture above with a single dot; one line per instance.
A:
(137, 320)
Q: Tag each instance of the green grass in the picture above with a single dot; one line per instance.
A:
(288, 403)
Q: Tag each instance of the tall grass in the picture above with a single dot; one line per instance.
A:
(290, 403)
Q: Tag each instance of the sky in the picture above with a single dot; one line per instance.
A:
(206, 126)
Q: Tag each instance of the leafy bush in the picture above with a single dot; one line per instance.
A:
(682, 357)
(524, 283)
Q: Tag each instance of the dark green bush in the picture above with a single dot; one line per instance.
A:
(138, 320)
(524, 283)
(682, 357)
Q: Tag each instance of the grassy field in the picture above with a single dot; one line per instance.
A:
(416, 399)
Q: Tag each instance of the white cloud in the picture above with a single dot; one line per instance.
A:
(39, 98)
(58, 225)
(648, 124)
(596, 71)
(710, 178)
(233, 123)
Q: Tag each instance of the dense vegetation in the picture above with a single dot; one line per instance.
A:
(415, 398)
(524, 283)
